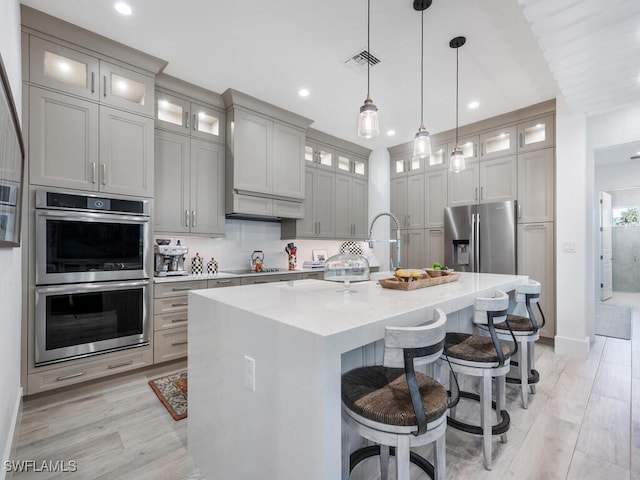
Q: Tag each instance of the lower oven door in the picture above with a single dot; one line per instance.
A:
(79, 320)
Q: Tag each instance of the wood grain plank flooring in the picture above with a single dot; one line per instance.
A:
(573, 429)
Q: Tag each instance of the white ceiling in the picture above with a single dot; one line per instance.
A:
(270, 49)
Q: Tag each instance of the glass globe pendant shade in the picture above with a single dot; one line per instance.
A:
(422, 144)
(457, 162)
(368, 120)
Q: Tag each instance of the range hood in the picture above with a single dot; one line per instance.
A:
(265, 166)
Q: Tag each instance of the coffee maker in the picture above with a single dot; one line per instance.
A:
(169, 259)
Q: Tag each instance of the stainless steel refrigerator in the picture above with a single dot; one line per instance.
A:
(481, 238)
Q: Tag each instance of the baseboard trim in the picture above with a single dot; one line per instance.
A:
(572, 346)
(12, 445)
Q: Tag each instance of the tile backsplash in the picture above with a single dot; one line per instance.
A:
(242, 237)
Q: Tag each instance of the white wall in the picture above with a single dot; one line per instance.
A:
(10, 258)
(573, 288)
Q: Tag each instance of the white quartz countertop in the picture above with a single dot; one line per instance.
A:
(185, 278)
(323, 308)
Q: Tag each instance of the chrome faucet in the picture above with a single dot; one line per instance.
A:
(396, 241)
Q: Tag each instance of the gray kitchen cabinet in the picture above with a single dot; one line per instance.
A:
(189, 118)
(351, 207)
(536, 133)
(499, 179)
(265, 157)
(319, 219)
(412, 245)
(435, 197)
(536, 259)
(77, 73)
(439, 158)
(319, 155)
(498, 142)
(126, 153)
(63, 140)
(403, 163)
(352, 164)
(408, 200)
(189, 185)
(75, 143)
(484, 182)
(536, 186)
(282, 277)
(434, 246)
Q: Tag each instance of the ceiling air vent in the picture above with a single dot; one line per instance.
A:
(358, 61)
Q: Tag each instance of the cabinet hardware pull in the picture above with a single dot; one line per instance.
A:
(476, 194)
(481, 193)
(71, 375)
(93, 172)
(180, 289)
(259, 281)
(119, 365)
(534, 225)
(186, 218)
(104, 174)
(223, 281)
(194, 123)
(104, 83)
(176, 320)
(193, 218)
(481, 149)
(475, 150)
(519, 210)
(521, 144)
(175, 344)
(186, 120)
(93, 82)
(179, 304)
(319, 228)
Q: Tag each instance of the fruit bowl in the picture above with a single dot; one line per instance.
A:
(438, 273)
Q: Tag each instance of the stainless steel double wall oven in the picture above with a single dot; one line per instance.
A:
(93, 264)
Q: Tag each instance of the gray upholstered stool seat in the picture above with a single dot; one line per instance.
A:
(473, 348)
(381, 394)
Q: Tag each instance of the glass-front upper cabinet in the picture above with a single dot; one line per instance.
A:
(77, 73)
(536, 133)
(352, 164)
(405, 164)
(182, 116)
(319, 155)
(498, 143)
(124, 88)
(469, 146)
(439, 157)
(63, 68)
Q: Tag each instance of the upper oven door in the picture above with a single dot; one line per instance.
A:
(74, 247)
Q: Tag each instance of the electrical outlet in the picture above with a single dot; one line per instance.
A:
(250, 373)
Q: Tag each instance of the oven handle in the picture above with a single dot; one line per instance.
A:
(91, 287)
(91, 216)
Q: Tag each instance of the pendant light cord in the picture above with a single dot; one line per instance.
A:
(422, 69)
(457, 77)
(368, 42)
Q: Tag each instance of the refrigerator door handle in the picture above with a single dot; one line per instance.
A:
(472, 243)
(476, 242)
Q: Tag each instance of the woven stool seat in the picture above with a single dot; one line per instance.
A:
(517, 324)
(381, 394)
(473, 348)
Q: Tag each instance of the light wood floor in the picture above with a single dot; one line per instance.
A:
(583, 423)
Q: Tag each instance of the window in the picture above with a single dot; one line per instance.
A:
(625, 215)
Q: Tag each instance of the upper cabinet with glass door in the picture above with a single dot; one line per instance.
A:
(536, 133)
(319, 155)
(439, 157)
(404, 163)
(498, 143)
(352, 164)
(78, 73)
(190, 118)
(470, 147)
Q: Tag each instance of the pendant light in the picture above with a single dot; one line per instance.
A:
(422, 142)
(457, 162)
(368, 120)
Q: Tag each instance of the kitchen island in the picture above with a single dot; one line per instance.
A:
(279, 417)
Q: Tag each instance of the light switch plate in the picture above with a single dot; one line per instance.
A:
(569, 246)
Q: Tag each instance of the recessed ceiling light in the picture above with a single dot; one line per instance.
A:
(473, 105)
(637, 153)
(391, 133)
(123, 8)
(303, 92)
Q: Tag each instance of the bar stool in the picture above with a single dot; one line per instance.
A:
(395, 406)
(525, 330)
(485, 358)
